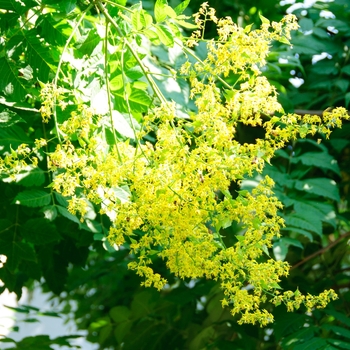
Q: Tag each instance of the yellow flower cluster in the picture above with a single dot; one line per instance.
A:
(15, 161)
(238, 49)
(80, 123)
(51, 95)
(171, 198)
(294, 300)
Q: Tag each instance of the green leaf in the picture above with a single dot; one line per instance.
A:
(291, 241)
(87, 44)
(33, 198)
(346, 70)
(159, 10)
(9, 118)
(165, 35)
(280, 251)
(108, 247)
(306, 24)
(13, 137)
(141, 19)
(203, 337)
(170, 12)
(139, 101)
(67, 214)
(340, 344)
(280, 248)
(134, 72)
(304, 223)
(181, 7)
(19, 7)
(282, 153)
(341, 331)
(120, 313)
(10, 83)
(18, 105)
(339, 316)
(311, 344)
(317, 210)
(116, 83)
(15, 250)
(321, 33)
(311, 45)
(319, 160)
(342, 84)
(340, 25)
(121, 2)
(67, 6)
(152, 36)
(320, 187)
(61, 199)
(29, 176)
(55, 32)
(50, 313)
(40, 231)
(137, 20)
(284, 40)
(301, 336)
(347, 99)
(104, 333)
(281, 178)
(22, 310)
(142, 304)
(264, 20)
(184, 24)
(38, 56)
(122, 330)
(305, 233)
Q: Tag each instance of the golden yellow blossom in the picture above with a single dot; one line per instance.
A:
(171, 198)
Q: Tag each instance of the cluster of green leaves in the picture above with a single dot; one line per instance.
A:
(42, 239)
(319, 58)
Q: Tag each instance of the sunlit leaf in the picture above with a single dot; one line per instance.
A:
(181, 7)
(159, 10)
(10, 83)
(33, 198)
(139, 100)
(165, 35)
(9, 118)
(320, 186)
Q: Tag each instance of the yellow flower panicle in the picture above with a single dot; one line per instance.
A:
(21, 159)
(171, 198)
(51, 95)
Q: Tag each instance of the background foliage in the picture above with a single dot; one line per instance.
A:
(72, 260)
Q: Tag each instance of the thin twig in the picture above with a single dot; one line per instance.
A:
(321, 251)
(311, 112)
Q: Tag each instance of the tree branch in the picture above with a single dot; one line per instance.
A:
(321, 251)
(311, 112)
